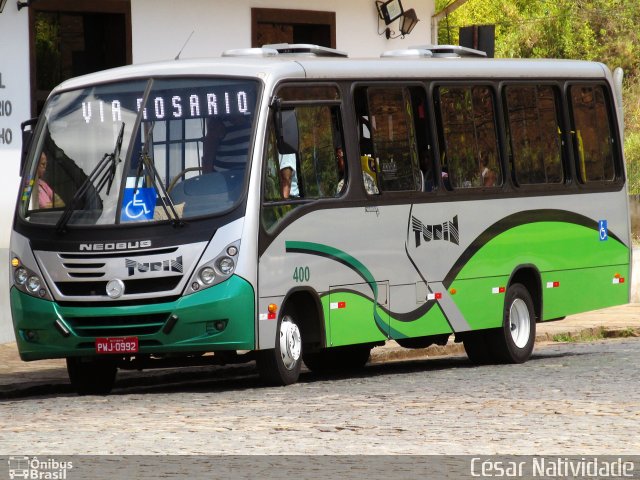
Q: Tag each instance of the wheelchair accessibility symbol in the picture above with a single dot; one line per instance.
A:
(139, 205)
(603, 230)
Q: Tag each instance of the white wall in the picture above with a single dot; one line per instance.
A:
(160, 27)
(14, 91)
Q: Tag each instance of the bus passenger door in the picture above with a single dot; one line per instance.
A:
(358, 313)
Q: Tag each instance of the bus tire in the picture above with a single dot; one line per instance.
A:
(478, 347)
(281, 365)
(348, 358)
(92, 377)
(513, 343)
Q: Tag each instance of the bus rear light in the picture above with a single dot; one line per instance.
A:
(618, 279)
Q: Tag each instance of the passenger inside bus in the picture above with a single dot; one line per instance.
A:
(487, 176)
(288, 175)
(42, 195)
(341, 171)
(225, 145)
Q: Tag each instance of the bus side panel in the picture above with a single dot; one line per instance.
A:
(574, 291)
(336, 249)
(354, 317)
(579, 272)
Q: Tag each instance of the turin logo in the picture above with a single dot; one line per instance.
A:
(173, 265)
(447, 231)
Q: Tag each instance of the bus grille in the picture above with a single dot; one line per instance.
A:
(117, 326)
(91, 289)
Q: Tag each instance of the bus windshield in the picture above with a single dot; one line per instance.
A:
(140, 151)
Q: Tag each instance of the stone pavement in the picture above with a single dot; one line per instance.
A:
(18, 378)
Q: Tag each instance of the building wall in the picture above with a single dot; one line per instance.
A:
(15, 108)
(159, 30)
(160, 27)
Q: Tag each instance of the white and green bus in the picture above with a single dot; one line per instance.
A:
(289, 204)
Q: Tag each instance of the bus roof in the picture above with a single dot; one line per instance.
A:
(302, 66)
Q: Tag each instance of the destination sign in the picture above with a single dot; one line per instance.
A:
(170, 104)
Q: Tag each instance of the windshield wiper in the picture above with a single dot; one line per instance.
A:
(103, 173)
(146, 162)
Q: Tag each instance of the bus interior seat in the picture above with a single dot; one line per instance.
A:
(211, 192)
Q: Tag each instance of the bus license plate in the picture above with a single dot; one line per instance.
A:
(117, 345)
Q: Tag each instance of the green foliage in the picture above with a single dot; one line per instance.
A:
(47, 50)
(588, 335)
(600, 30)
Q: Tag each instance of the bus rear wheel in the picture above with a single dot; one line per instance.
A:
(92, 376)
(348, 358)
(513, 343)
(281, 365)
(478, 347)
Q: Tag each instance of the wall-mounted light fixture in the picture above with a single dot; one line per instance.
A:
(390, 11)
(28, 3)
(2, 3)
(408, 20)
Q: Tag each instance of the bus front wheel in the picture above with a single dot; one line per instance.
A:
(281, 365)
(92, 376)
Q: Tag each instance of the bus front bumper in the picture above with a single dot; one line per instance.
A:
(219, 318)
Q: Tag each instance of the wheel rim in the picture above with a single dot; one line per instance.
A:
(290, 343)
(519, 323)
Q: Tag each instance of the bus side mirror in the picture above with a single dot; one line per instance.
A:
(286, 130)
(27, 136)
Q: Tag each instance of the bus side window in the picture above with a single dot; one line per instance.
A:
(534, 136)
(318, 170)
(272, 188)
(322, 165)
(273, 209)
(593, 141)
(392, 129)
(468, 137)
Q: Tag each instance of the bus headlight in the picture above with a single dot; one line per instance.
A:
(21, 275)
(33, 284)
(207, 275)
(28, 280)
(226, 265)
(215, 271)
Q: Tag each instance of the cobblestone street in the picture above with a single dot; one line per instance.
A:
(568, 399)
